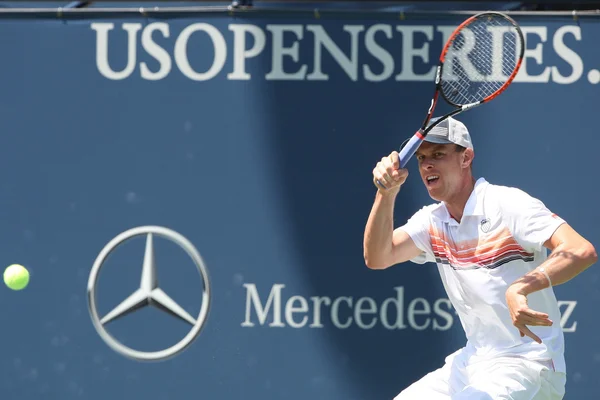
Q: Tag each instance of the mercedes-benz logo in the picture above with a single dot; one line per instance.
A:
(148, 294)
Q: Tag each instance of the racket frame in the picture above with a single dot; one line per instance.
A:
(410, 146)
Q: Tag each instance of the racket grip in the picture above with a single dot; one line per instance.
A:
(409, 149)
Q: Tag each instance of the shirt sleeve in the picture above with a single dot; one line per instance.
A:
(529, 220)
(417, 227)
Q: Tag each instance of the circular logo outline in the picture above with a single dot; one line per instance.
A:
(184, 343)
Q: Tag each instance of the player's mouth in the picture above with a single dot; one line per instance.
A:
(431, 180)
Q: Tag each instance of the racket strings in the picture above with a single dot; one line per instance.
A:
(480, 60)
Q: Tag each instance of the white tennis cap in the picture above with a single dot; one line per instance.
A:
(450, 131)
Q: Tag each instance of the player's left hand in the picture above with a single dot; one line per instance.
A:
(522, 315)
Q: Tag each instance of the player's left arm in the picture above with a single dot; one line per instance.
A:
(571, 254)
(534, 226)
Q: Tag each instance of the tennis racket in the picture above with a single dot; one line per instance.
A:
(480, 60)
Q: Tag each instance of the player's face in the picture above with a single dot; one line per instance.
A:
(442, 169)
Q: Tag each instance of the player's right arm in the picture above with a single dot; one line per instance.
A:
(384, 246)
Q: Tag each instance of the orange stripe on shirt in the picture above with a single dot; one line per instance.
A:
(489, 252)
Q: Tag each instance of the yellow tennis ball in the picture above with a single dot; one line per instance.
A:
(16, 277)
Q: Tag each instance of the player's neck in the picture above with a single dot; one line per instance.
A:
(456, 204)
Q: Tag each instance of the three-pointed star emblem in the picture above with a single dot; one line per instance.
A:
(149, 293)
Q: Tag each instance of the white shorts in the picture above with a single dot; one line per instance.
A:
(498, 379)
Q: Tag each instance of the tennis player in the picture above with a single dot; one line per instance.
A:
(489, 243)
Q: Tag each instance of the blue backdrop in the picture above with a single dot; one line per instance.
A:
(255, 138)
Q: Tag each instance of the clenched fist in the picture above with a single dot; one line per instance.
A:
(387, 174)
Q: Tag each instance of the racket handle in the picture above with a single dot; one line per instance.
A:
(410, 148)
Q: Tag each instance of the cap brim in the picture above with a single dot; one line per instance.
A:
(437, 140)
(430, 139)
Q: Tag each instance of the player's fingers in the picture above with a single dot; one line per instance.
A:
(378, 183)
(527, 320)
(524, 318)
(402, 174)
(395, 159)
(381, 178)
(388, 180)
(393, 173)
(525, 330)
(377, 178)
(536, 321)
(399, 176)
(383, 175)
(393, 168)
(536, 314)
(387, 163)
(531, 317)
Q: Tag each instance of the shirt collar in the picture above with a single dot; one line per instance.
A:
(473, 207)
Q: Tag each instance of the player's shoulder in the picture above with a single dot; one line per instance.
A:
(507, 194)
(428, 210)
(511, 199)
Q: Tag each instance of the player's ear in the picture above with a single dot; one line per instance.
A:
(468, 156)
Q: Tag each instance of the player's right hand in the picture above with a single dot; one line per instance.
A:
(387, 174)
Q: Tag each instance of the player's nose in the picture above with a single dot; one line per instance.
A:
(427, 164)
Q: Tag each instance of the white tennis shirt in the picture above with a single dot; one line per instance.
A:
(499, 239)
